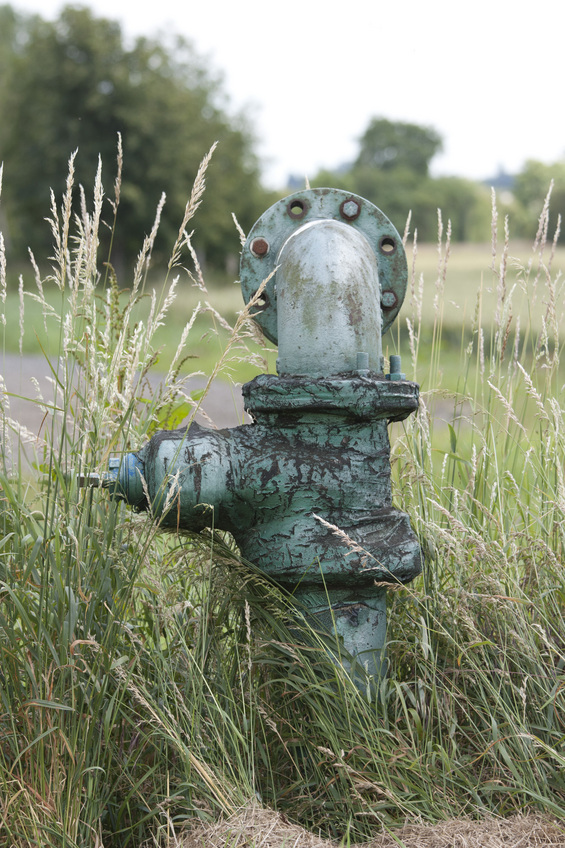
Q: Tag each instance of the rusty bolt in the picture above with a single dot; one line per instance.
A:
(259, 247)
(388, 299)
(350, 209)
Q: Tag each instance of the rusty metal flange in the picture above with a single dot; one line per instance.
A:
(261, 250)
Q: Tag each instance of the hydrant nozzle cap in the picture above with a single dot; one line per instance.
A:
(125, 479)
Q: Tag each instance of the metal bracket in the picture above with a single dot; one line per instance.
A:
(261, 250)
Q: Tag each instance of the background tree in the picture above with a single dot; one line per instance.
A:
(72, 83)
(530, 190)
(392, 171)
(392, 145)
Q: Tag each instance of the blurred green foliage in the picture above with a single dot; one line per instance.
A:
(397, 146)
(75, 82)
(392, 171)
(532, 185)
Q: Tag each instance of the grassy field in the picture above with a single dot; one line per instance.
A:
(150, 682)
(452, 291)
(468, 293)
(470, 271)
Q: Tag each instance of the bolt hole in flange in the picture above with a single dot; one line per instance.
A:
(297, 209)
(387, 245)
(286, 216)
(263, 300)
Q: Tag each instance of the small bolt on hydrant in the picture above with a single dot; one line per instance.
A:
(305, 489)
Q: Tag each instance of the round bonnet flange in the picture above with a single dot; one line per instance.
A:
(267, 237)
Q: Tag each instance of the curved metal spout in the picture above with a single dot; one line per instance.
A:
(328, 301)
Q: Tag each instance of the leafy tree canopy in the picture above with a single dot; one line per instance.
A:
(531, 188)
(73, 83)
(391, 170)
(390, 145)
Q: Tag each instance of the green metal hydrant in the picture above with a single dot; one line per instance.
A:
(305, 489)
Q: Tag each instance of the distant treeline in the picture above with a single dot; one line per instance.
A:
(75, 83)
(392, 170)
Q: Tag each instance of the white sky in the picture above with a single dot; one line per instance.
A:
(487, 74)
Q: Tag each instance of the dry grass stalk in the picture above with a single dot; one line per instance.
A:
(192, 205)
(255, 827)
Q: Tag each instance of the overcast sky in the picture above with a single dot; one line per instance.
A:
(487, 74)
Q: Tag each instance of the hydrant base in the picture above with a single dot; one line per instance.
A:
(357, 623)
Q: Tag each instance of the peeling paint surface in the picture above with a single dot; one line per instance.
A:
(305, 491)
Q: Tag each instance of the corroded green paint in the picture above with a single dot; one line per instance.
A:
(305, 489)
(265, 483)
(316, 451)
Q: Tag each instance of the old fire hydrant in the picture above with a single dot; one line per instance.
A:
(305, 489)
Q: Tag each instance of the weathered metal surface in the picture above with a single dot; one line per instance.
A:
(285, 217)
(266, 482)
(305, 489)
(322, 327)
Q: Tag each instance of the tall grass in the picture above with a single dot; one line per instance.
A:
(151, 679)
(80, 577)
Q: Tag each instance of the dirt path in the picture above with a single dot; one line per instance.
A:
(223, 403)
